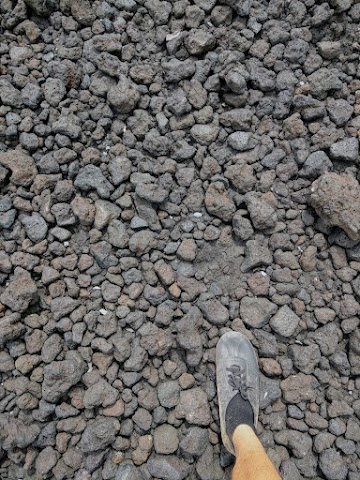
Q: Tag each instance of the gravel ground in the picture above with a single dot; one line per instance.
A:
(170, 170)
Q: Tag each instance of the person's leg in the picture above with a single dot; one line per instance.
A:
(252, 462)
(237, 377)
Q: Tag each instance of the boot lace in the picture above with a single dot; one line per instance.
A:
(237, 380)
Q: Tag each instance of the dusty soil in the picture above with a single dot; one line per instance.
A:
(170, 170)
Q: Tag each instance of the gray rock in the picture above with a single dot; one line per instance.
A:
(285, 321)
(136, 361)
(194, 407)
(165, 439)
(299, 443)
(59, 377)
(14, 433)
(119, 169)
(299, 387)
(22, 166)
(105, 212)
(51, 348)
(205, 134)
(323, 441)
(262, 209)
(7, 218)
(256, 312)
(353, 430)
(103, 254)
(155, 340)
(235, 80)
(195, 441)
(242, 141)
(242, 227)
(43, 8)
(176, 70)
(169, 393)
(168, 467)
(20, 292)
(143, 419)
(241, 7)
(324, 80)
(273, 158)
(124, 96)
(5, 263)
(218, 202)
(177, 103)
(337, 427)
(6, 362)
(332, 465)
(101, 393)
(127, 471)
(316, 164)
(257, 253)
(214, 311)
(91, 177)
(296, 50)
(155, 295)
(29, 141)
(269, 391)
(340, 111)
(336, 199)
(261, 77)
(31, 95)
(46, 460)
(67, 125)
(267, 344)
(346, 446)
(159, 11)
(117, 234)
(305, 358)
(10, 328)
(339, 360)
(54, 91)
(98, 434)
(339, 408)
(289, 471)
(156, 144)
(237, 119)
(141, 242)
(199, 41)
(122, 347)
(346, 150)
(208, 467)
(82, 12)
(151, 192)
(62, 306)
(189, 337)
(329, 50)
(63, 214)
(9, 95)
(181, 151)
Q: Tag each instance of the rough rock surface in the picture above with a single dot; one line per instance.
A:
(22, 166)
(336, 198)
(170, 171)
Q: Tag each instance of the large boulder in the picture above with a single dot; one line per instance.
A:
(336, 199)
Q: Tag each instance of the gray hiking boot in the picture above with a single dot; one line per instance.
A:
(237, 377)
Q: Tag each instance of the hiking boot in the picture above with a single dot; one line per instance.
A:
(237, 378)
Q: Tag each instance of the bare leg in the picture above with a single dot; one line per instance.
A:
(252, 463)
